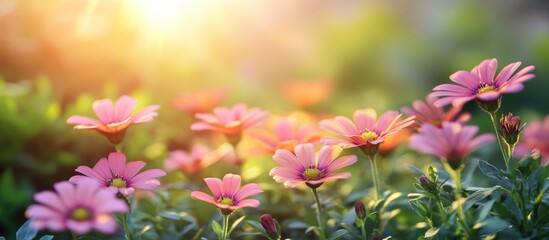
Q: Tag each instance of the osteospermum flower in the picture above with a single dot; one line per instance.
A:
(199, 102)
(480, 85)
(114, 119)
(78, 208)
(287, 134)
(303, 167)
(227, 193)
(366, 132)
(231, 122)
(427, 112)
(113, 172)
(535, 137)
(451, 143)
(192, 162)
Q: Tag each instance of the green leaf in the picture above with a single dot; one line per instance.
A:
(338, 234)
(26, 232)
(489, 170)
(217, 228)
(297, 225)
(46, 237)
(485, 210)
(170, 215)
(370, 224)
(493, 225)
(479, 195)
(235, 224)
(352, 230)
(431, 232)
(391, 198)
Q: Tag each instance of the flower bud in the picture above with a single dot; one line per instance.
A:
(510, 128)
(425, 182)
(270, 225)
(360, 210)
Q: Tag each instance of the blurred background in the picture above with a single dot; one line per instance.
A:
(325, 57)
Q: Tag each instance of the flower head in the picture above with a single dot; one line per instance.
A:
(199, 158)
(480, 85)
(227, 193)
(114, 119)
(452, 142)
(113, 172)
(199, 102)
(427, 112)
(231, 122)
(286, 135)
(79, 208)
(535, 137)
(302, 166)
(366, 132)
(271, 226)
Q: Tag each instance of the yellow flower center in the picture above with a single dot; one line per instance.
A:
(313, 174)
(369, 135)
(485, 88)
(81, 214)
(118, 182)
(226, 201)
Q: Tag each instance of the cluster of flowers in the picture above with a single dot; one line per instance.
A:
(87, 201)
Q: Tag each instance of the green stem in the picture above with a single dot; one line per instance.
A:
(441, 207)
(456, 175)
(74, 236)
(504, 149)
(319, 218)
(225, 233)
(375, 176)
(118, 148)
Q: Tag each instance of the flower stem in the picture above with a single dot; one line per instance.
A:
(375, 176)
(225, 233)
(462, 218)
(504, 149)
(118, 148)
(74, 236)
(319, 218)
(124, 221)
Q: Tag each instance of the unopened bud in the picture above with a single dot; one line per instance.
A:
(360, 210)
(270, 225)
(426, 183)
(510, 128)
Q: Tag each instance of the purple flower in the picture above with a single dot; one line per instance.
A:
(535, 137)
(78, 208)
(427, 112)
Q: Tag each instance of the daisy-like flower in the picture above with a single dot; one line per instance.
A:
(303, 167)
(535, 137)
(199, 102)
(480, 85)
(287, 134)
(227, 193)
(199, 158)
(427, 112)
(114, 119)
(78, 208)
(365, 133)
(120, 177)
(451, 143)
(231, 122)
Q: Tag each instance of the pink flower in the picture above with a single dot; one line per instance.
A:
(286, 135)
(535, 137)
(303, 167)
(79, 208)
(427, 112)
(365, 132)
(199, 102)
(227, 194)
(199, 158)
(114, 119)
(480, 84)
(120, 176)
(452, 142)
(231, 122)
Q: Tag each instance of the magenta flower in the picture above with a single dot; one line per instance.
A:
(199, 158)
(286, 135)
(480, 84)
(303, 167)
(427, 112)
(114, 119)
(120, 176)
(79, 208)
(228, 195)
(365, 132)
(535, 137)
(231, 122)
(451, 143)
